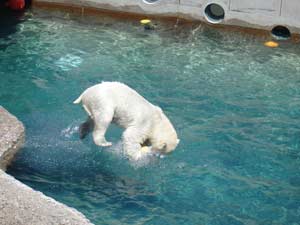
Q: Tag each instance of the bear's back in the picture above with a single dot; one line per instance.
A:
(121, 94)
(126, 103)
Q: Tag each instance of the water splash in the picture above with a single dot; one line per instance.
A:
(142, 161)
(70, 131)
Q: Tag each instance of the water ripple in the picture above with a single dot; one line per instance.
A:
(234, 103)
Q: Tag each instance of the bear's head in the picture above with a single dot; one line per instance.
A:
(165, 138)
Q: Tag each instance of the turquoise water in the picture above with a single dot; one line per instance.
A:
(234, 103)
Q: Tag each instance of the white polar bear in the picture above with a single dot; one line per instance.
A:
(144, 123)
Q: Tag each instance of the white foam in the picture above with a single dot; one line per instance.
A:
(145, 157)
(69, 131)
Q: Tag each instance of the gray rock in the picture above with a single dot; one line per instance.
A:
(19, 204)
(12, 134)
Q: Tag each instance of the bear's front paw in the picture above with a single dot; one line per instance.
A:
(103, 144)
(106, 144)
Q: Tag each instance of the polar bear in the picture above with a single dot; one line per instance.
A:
(145, 124)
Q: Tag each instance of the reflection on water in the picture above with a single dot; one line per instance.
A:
(68, 62)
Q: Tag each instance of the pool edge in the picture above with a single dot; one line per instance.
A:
(232, 24)
(19, 203)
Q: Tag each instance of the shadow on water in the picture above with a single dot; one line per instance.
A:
(9, 21)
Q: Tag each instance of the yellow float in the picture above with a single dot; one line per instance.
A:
(147, 24)
(146, 149)
(271, 44)
(145, 21)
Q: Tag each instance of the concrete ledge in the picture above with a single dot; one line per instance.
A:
(19, 204)
(256, 14)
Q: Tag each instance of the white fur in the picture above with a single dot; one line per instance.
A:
(115, 102)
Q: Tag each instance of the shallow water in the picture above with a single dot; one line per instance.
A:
(234, 103)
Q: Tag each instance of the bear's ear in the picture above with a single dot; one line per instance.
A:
(159, 110)
(178, 140)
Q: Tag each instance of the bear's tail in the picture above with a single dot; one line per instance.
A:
(78, 100)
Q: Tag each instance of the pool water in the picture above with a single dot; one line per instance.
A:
(234, 102)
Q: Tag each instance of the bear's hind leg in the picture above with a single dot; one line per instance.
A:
(101, 123)
(86, 127)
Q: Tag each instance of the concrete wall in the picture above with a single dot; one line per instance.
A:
(247, 13)
(19, 204)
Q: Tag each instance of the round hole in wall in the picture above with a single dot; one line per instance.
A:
(150, 1)
(281, 33)
(214, 13)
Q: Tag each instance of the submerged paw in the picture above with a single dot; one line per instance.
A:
(106, 144)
